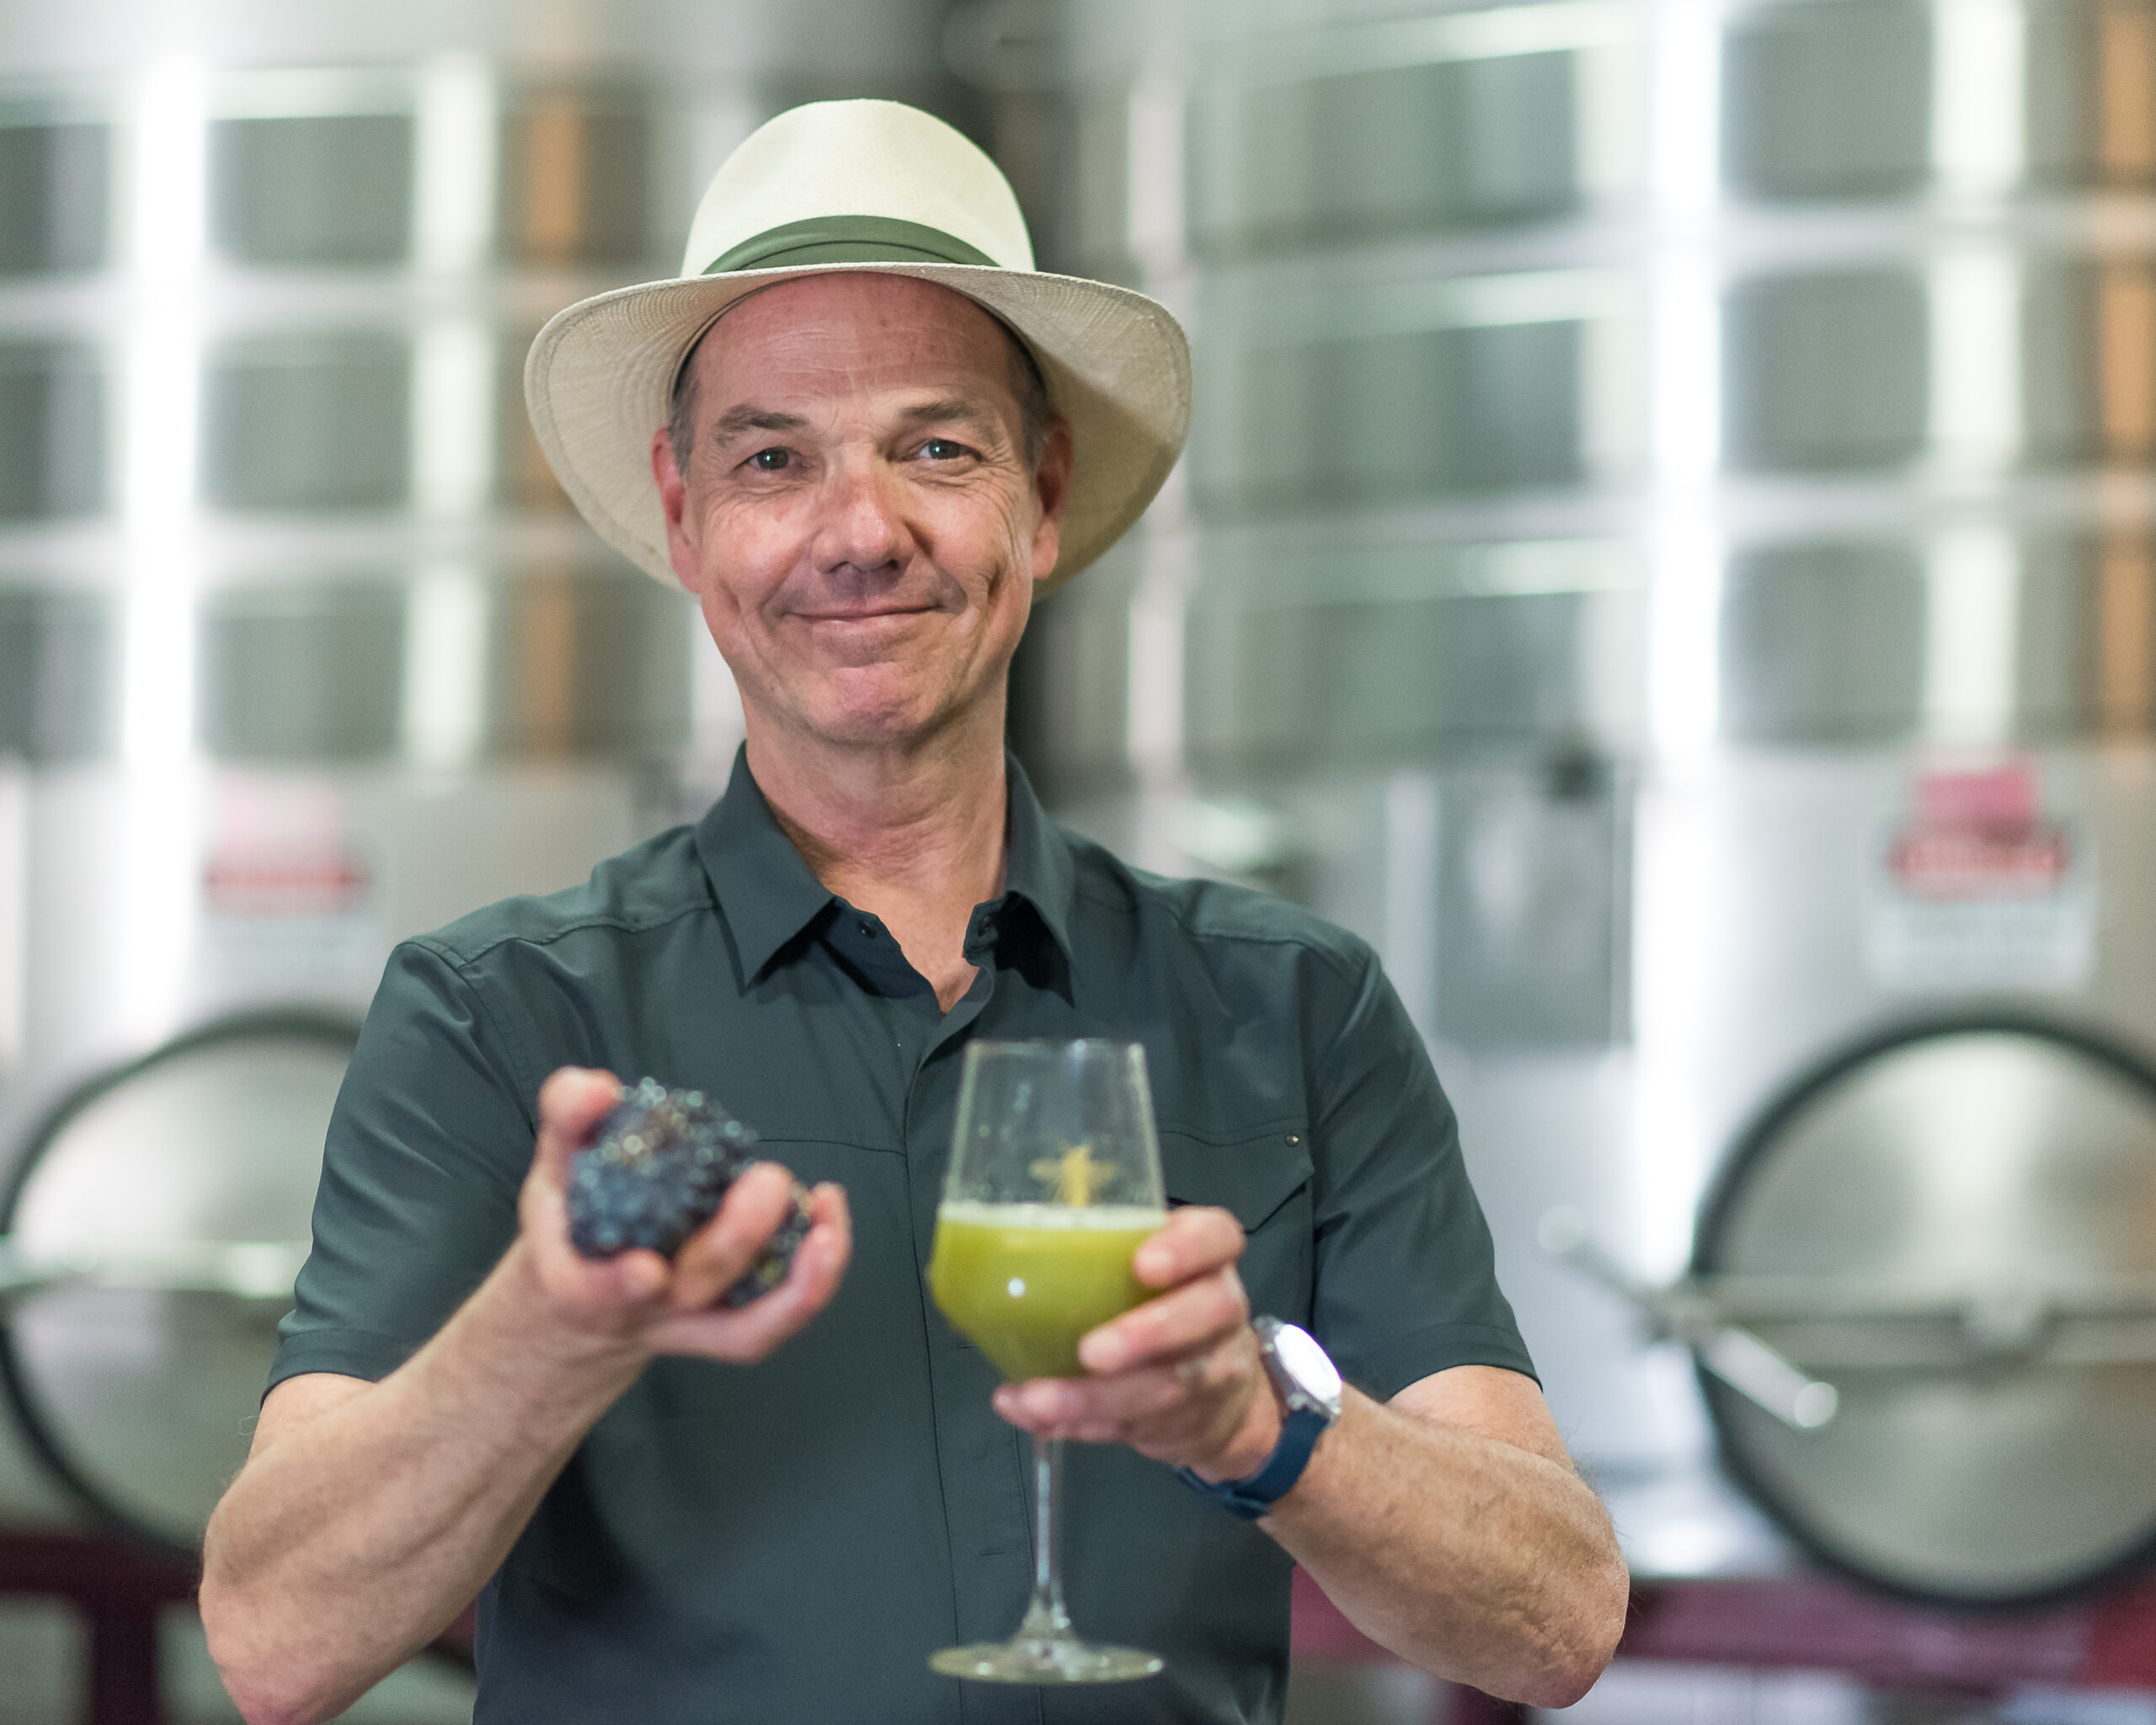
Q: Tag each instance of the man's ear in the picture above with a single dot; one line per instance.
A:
(1052, 487)
(681, 550)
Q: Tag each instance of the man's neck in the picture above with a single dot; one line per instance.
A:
(915, 836)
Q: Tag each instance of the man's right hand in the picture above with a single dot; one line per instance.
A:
(658, 1306)
(369, 1513)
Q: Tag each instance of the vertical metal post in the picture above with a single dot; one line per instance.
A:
(121, 1685)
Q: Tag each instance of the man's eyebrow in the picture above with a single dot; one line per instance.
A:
(736, 420)
(956, 407)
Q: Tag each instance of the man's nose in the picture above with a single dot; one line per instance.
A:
(863, 529)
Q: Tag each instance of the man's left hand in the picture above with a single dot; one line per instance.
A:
(1178, 1378)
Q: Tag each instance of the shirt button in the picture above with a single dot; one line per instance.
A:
(868, 929)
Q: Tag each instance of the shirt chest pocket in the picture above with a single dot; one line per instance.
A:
(1265, 1183)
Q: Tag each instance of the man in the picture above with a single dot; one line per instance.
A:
(871, 438)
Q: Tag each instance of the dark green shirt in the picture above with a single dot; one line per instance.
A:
(789, 1541)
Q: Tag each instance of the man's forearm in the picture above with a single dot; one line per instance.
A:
(1478, 1559)
(351, 1540)
(1450, 1525)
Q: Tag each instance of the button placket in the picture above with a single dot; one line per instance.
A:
(983, 1476)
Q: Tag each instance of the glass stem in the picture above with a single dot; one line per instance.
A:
(1045, 1618)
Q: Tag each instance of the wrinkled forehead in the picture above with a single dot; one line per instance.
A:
(855, 326)
(887, 323)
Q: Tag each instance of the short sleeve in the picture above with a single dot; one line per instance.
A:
(427, 1149)
(1406, 1278)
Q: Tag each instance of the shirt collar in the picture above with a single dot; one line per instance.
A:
(1040, 869)
(769, 895)
(766, 892)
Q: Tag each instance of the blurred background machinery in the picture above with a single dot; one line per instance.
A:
(1665, 552)
(301, 651)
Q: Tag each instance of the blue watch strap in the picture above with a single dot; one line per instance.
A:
(1250, 1496)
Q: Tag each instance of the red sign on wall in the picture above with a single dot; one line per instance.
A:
(1976, 888)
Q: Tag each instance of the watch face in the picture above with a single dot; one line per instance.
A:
(1307, 1367)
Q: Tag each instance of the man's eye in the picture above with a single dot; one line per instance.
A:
(942, 449)
(771, 461)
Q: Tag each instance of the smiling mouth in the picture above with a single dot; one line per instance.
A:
(862, 617)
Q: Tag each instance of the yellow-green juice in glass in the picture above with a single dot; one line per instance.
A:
(1025, 1282)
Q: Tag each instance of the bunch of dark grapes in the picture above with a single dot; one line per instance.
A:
(660, 1167)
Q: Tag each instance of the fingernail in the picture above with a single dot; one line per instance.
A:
(1151, 1260)
(1102, 1351)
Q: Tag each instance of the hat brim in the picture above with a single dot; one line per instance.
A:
(600, 377)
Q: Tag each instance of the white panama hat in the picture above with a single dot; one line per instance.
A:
(861, 185)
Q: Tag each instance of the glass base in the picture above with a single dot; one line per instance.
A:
(1028, 1660)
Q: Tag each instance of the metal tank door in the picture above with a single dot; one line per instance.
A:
(1955, 1225)
(149, 1240)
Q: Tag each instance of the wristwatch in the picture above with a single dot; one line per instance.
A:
(1308, 1385)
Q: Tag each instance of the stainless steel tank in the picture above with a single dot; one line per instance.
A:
(154, 1223)
(301, 648)
(1665, 551)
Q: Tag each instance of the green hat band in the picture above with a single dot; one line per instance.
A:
(847, 239)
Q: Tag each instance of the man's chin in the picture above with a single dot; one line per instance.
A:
(891, 722)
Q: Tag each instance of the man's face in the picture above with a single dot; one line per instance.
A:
(857, 517)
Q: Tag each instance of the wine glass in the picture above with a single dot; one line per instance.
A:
(1055, 1180)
